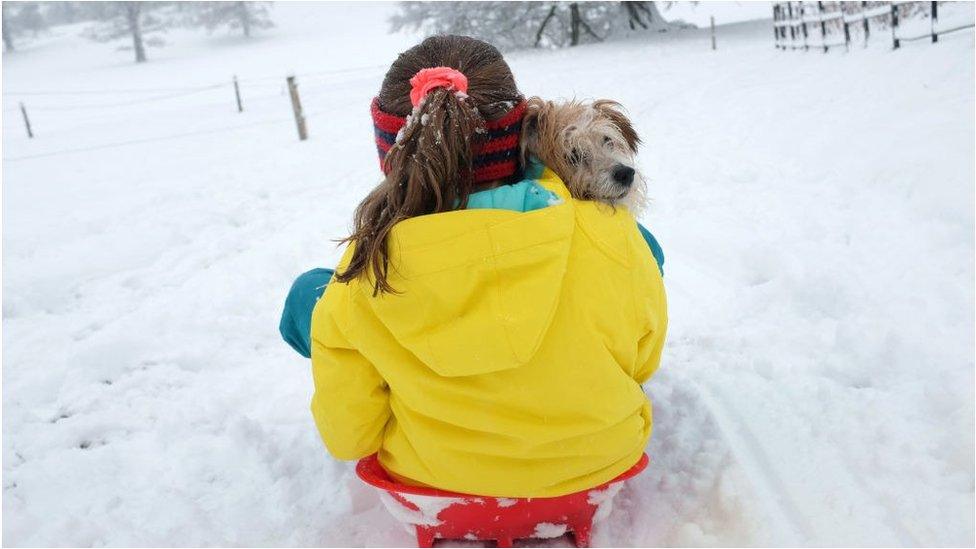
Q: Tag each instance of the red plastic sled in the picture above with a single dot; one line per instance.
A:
(439, 514)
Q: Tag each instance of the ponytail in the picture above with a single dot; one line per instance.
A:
(447, 119)
(429, 170)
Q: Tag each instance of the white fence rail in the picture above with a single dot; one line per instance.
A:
(825, 25)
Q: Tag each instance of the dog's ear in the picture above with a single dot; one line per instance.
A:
(529, 140)
(614, 112)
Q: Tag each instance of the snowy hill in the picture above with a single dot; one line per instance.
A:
(816, 211)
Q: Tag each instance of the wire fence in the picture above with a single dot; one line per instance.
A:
(826, 25)
(259, 80)
(95, 103)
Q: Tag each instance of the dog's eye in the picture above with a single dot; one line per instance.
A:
(607, 142)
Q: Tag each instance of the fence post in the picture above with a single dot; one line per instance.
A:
(782, 27)
(867, 26)
(776, 25)
(23, 111)
(935, 18)
(237, 94)
(713, 32)
(789, 6)
(847, 35)
(296, 106)
(803, 25)
(823, 26)
(789, 21)
(894, 26)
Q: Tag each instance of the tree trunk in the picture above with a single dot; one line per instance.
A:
(245, 17)
(574, 24)
(8, 41)
(132, 12)
(644, 14)
(634, 17)
(653, 14)
(542, 27)
(586, 27)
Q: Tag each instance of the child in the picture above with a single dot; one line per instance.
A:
(483, 334)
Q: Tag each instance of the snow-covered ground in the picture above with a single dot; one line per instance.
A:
(816, 212)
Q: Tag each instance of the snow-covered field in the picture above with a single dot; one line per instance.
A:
(817, 212)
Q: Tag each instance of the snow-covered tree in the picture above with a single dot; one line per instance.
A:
(243, 16)
(20, 18)
(511, 25)
(8, 31)
(140, 21)
(60, 13)
(506, 24)
(642, 15)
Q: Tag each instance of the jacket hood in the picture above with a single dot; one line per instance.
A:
(482, 284)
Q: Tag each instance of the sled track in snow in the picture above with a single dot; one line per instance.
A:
(759, 469)
(776, 498)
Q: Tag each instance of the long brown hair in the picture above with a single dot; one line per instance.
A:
(429, 168)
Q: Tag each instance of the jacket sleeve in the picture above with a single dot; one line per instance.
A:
(351, 401)
(655, 247)
(296, 318)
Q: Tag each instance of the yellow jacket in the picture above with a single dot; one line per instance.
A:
(510, 361)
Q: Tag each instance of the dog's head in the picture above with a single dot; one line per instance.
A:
(592, 146)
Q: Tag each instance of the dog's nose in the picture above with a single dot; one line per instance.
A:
(623, 175)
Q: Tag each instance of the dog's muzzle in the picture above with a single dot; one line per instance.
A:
(623, 175)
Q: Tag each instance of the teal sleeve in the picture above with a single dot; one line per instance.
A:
(296, 319)
(654, 246)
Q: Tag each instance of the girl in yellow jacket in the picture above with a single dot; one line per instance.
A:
(482, 349)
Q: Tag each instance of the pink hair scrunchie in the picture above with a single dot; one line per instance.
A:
(438, 77)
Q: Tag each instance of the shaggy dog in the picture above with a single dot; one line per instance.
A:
(590, 145)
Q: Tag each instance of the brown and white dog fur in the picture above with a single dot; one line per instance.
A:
(592, 146)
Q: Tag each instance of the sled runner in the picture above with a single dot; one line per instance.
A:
(434, 514)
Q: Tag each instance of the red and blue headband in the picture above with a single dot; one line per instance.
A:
(496, 156)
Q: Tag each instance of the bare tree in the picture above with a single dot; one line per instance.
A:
(8, 38)
(506, 24)
(642, 14)
(577, 22)
(245, 16)
(140, 21)
(542, 26)
(19, 18)
(133, 13)
(59, 13)
(511, 25)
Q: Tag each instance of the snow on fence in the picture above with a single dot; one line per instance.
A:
(839, 24)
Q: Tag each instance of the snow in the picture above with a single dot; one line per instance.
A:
(506, 502)
(698, 13)
(603, 499)
(545, 530)
(428, 508)
(816, 212)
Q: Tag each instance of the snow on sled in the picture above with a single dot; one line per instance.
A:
(439, 514)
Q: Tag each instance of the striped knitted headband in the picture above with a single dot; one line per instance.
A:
(496, 156)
